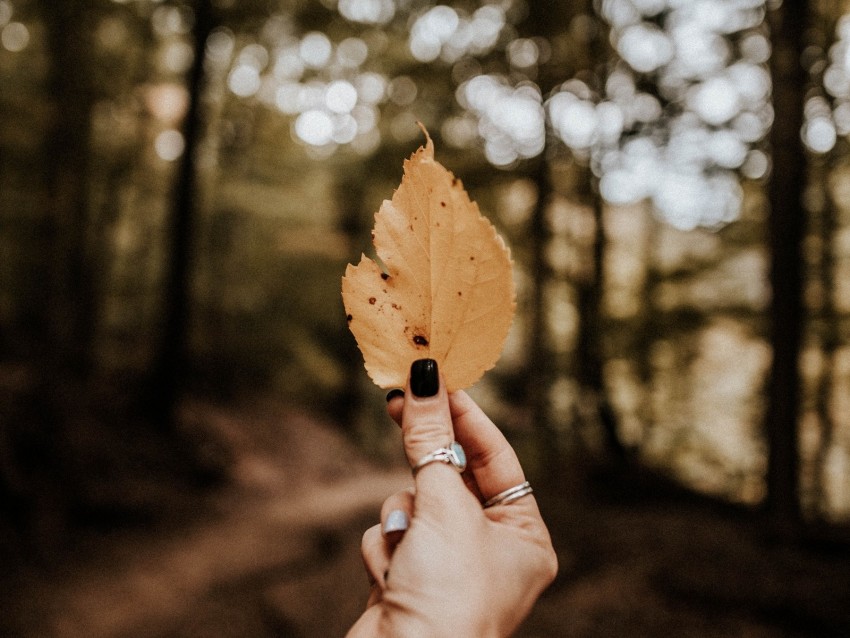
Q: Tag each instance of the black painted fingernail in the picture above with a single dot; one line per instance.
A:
(395, 392)
(424, 378)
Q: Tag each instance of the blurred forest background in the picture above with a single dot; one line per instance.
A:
(189, 444)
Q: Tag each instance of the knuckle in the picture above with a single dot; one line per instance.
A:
(370, 537)
(427, 434)
(549, 565)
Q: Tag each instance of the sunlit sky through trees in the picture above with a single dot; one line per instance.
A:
(680, 118)
(679, 121)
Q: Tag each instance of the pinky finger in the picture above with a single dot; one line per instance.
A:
(376, 556)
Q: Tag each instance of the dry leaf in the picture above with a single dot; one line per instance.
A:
(446, 291)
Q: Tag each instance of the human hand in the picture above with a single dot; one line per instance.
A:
(441, 563)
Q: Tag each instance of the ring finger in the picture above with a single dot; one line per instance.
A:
(492, 460)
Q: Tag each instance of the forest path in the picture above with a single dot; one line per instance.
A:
(275, 553)
(252, 561)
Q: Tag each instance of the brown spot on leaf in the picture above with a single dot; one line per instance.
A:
(349, 318)
(372, 300)
(443, 204)
(384, 276)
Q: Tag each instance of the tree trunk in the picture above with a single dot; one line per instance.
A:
(550, 20)
(69, 305)
(171, 358)
(786, 226)
(354, 226)
(540, 372)
(589, 351)
(37, 483)
(829, 328)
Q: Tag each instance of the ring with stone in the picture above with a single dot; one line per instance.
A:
(452, 455)
(510, 494)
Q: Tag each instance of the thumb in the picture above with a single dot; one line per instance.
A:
(426, 426)
(426, 422)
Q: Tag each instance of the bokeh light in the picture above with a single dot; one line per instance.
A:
(244, 80)
(367, 11)
(442, 32)
(326, 87)
(716, 100)
(169, 145)
(220, 46)
(349, 93)
(315, 50)
(686, 147)
(827, 117)
(645, 47)
(168, 20)
(315, 127)
(523, 53)
(340, 96)
(14, 37)
(687, 104)
(176, 57)
(819, 134)
(6, 12)
(510, 118)
(352, 52)
(167, 102)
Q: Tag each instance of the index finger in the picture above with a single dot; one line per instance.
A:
(490, 457)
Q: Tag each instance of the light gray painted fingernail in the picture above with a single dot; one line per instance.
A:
(397, 521)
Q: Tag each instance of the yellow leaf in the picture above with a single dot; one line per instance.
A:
(446, 291)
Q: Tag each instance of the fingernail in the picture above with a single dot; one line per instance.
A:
(424, 378)
(397, 521)
(395, 392)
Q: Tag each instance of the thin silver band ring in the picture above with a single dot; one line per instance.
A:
(510, 494)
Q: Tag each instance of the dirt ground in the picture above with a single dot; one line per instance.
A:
(275, 552)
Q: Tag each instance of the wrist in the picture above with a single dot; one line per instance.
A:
(439, 626)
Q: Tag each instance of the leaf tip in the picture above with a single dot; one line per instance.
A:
(429, 144)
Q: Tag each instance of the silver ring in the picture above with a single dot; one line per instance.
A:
(510, 494)
(452, 455)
